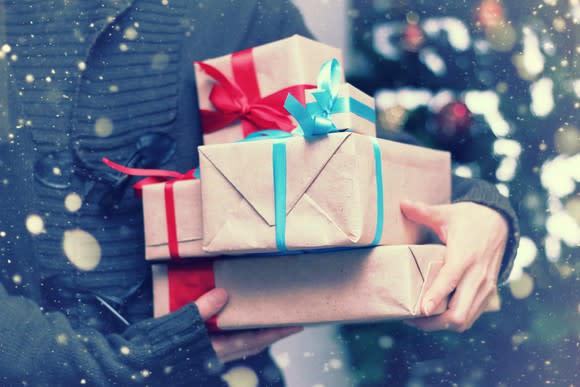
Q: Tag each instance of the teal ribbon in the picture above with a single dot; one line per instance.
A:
(267, 134)
(314, 119)
(380, 193)
(279, 167)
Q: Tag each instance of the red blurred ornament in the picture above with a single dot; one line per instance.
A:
(491, 13)
(454, 122)
(413, 37)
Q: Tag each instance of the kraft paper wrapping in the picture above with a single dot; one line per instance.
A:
(284, 63)
(357, 285)
(331, 195)
(188, 219)
(349, 120)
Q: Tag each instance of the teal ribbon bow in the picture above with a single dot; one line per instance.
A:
(314, 119)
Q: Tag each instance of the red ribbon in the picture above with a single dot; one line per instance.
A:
(154, 176)
(188, 283)
(242, 101)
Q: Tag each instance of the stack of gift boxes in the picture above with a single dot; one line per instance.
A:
(295, 211)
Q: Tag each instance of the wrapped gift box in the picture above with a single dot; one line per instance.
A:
(343, 189)
(172, 220)
(234, 89)
(355, 285)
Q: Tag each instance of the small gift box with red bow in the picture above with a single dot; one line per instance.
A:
(244, 92)
(171, 212)
(307, 288)
(173, 220)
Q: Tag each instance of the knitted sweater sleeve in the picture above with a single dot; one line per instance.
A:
(43, 349)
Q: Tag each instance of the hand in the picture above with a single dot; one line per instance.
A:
(230, 346)
(475, 236)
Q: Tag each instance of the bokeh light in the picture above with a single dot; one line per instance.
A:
(35, 224)
(81, 249)
(241, 376)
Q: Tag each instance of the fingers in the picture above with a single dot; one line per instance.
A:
(429, 216)
(445, 282)
(467, 298)
(232, 346)
(467, 304)
(211, 303)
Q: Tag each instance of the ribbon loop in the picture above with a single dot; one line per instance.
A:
(152, 176)
(328, 83)
(329, 79)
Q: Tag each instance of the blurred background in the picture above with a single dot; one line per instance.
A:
(496, 83)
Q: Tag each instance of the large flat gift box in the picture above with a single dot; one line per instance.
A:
(343, 189)
(172, 220)
(245, 91)
(355, 285)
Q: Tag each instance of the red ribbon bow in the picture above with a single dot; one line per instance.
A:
(242, 101)
(154, 176)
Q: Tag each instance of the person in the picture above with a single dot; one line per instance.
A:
(80, 80)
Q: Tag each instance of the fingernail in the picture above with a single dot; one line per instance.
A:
(428, 308)
(220, 295)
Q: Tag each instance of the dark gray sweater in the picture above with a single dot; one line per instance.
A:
(70, 67)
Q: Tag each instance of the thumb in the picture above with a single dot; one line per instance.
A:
(211, 303)
(426, 215)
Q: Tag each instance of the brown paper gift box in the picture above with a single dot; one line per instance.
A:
(331, 192)
(188, 220)
(288, 62)
(355, 285)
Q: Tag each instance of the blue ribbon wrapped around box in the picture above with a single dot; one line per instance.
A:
(315, 191)
(333, 106)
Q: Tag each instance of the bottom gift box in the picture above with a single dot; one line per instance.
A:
(358, 285)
